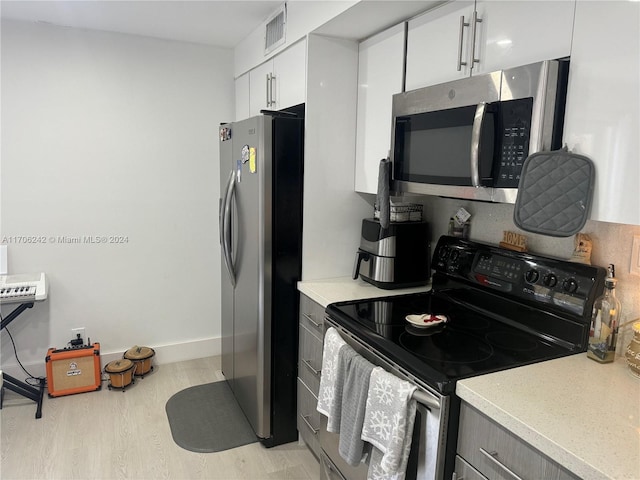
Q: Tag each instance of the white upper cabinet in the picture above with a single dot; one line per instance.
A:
(437, 45)
(603, 104)
(464, 38)
(290, 71)
(514, 33)
(380, 60)
(260, 88)
(280, 82)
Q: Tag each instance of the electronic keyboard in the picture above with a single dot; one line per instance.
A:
(23, 288)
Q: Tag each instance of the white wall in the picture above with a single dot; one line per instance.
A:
(108, 134)
(332, 210)
(302, 18)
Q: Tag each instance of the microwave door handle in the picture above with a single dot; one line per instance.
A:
(478, 119)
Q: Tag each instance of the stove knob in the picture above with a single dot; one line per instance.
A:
(570, 285)
(532, 276)
(453, 256)
(550, 280)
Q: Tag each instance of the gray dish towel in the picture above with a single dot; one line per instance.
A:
(354, 403)
(345, 356)
(388, 425)
(382, 198)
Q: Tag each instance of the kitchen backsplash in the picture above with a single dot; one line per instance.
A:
(612, 243)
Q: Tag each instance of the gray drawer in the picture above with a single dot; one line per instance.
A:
(495, 452)
(310, 359)
(308, 418)
(311, 315)
(464, 471)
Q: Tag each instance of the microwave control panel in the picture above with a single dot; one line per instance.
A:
(515, 131)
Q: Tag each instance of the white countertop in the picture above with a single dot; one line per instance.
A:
(582, 414)
(339, 289)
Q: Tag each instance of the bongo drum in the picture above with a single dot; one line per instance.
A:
(120, 373)
(141, 356)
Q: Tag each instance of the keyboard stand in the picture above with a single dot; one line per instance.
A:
(15, 385)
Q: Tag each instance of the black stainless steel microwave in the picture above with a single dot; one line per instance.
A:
(469, 138)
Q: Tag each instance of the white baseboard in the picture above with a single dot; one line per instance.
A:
(171, 353)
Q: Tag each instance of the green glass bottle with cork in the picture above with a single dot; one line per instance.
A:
(605, 320)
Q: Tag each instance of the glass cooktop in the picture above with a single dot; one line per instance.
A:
(467, 344)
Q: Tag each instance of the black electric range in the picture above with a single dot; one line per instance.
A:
(503, 309)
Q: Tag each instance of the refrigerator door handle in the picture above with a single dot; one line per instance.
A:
(226, 227)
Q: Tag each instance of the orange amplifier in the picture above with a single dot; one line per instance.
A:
(73, 370)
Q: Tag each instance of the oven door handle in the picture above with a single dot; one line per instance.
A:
(423, 397)
(476, 130)
(426, 400)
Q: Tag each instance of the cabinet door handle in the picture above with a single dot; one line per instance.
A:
(308, 317)
(305, 419)
(474, 24)
(493, 457)
(313, 370)
(268, 88)
(271, 95)
(460, 41)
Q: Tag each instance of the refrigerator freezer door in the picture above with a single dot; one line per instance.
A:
(252, 261)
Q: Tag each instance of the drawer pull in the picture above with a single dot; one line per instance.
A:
(493, 457)
(308, 317)
(305, 418)
(308, 364)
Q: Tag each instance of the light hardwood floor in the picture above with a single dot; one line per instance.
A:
(109, 434)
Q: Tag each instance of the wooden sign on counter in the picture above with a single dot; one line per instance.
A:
(514, 241)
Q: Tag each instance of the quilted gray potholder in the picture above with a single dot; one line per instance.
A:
(554, 193)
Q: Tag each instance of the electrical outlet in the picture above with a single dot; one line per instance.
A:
(78, 331)
(634, 267)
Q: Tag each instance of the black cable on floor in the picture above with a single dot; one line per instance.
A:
(15, 352)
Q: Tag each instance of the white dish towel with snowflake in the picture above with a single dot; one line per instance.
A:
(388, 425)
(330, 391)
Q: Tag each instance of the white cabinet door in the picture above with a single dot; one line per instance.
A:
(290, 68)
(380, 61)
(280, 82)
(603, 104)
(259, 88)
(242, 97)
(508, 33)
(433, 42)
(514, 33)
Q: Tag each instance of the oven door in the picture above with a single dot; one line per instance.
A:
(333, 467)
(428, 446)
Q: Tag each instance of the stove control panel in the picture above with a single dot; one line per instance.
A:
(571, 287)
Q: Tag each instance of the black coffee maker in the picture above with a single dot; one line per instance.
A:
(394, 257)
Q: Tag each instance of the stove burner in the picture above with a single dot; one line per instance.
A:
(518, 342)
(471, 322)
(447, 346)
(423, 332)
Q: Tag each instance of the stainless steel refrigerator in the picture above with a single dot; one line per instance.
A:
(260, 219)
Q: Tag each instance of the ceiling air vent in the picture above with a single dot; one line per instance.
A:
(275, 30)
